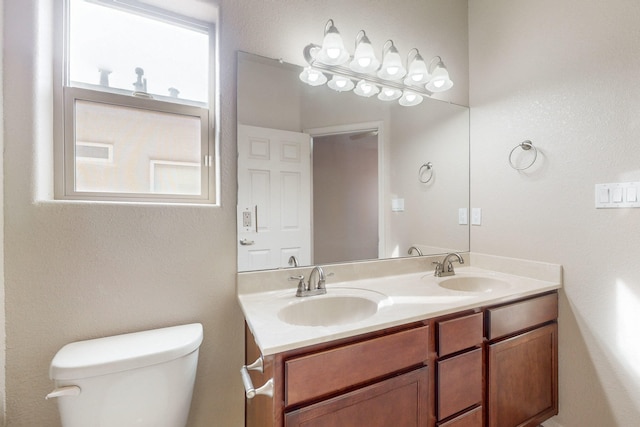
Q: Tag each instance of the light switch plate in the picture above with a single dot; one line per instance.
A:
(476, 216)
(397, 205)
(463, 218)
(617, 195)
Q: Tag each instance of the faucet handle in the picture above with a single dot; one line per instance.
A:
(302, 287)
(299, 278)
(439, 268)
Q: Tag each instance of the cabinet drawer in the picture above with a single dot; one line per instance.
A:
(398, 401)
(458, 334)
(472, 418)
(515, 317)
(459, 383)
(327, 372)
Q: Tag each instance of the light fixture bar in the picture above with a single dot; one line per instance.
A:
(338, 70)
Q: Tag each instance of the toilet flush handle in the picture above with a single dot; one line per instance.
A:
(68, 390)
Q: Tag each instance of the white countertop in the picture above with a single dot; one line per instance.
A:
(404, 298)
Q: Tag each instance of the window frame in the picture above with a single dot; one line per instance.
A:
(65, 96)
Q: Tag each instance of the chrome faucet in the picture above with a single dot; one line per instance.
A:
(310, 288)
(293, 261)
(412, 249)
(445, 268)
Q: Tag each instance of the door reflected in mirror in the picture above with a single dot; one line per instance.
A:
(327, 177)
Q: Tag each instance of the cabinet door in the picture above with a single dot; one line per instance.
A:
(398, 401)
(522, 378)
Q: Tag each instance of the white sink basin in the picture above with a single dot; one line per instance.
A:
(474, 284)
(336, 307)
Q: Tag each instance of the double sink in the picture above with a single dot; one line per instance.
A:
(280, 321)
(348, 305)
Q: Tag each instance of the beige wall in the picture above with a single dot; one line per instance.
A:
(75, 271)
(564, 74)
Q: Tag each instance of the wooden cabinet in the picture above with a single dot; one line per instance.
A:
(378, 379)
(490, 366)
(522, 366)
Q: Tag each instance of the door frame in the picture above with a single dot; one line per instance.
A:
(355, 128)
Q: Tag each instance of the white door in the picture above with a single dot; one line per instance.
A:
(274, 198)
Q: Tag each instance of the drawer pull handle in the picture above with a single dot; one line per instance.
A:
(266, 389)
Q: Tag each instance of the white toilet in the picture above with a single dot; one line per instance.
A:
(142, 379)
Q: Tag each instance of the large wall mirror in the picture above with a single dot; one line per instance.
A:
(328, 177)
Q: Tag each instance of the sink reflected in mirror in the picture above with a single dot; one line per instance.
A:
(337, 307)
(474, 284)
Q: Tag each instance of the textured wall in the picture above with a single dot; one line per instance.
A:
(565, 75)
(79, 270)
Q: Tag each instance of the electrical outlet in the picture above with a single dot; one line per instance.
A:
(246, 219)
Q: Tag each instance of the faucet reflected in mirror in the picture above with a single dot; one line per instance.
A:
(318, 223)
(413, 249)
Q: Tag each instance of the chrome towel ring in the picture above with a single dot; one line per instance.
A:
(526, 146)
(427, 167)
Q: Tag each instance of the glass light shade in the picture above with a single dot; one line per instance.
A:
(332, 51)
(365, 88)
(364, 58)
(392, 68)
(312, 77)
(418, 72)
(409, 99)
(340, 84)
(440, 80)
(389, 94)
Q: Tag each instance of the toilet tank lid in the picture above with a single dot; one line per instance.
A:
(90, 358)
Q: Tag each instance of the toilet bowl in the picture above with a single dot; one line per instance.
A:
(141, 379)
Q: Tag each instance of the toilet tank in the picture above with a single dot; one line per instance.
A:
(141, 379)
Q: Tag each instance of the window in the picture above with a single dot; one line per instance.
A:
(136, 105)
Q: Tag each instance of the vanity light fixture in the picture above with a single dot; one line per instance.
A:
(439, 80)
(340, 84)
(364, 58)
(391, 68)
(365, 88)
(332, 51)
(389, 94)
(313, 77)
(386, 80)
(418, 72)
(410, 98)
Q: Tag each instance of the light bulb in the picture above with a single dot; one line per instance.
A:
(389, 94)
(333, 52)
(364, 62)
(340, 84)
(410, 99)
(366, 89)
(312, 77)
(364, 58)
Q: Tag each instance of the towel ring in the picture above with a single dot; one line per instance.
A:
(426, 167)
(526, 146)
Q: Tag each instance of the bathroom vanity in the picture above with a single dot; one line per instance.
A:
(432, 355)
